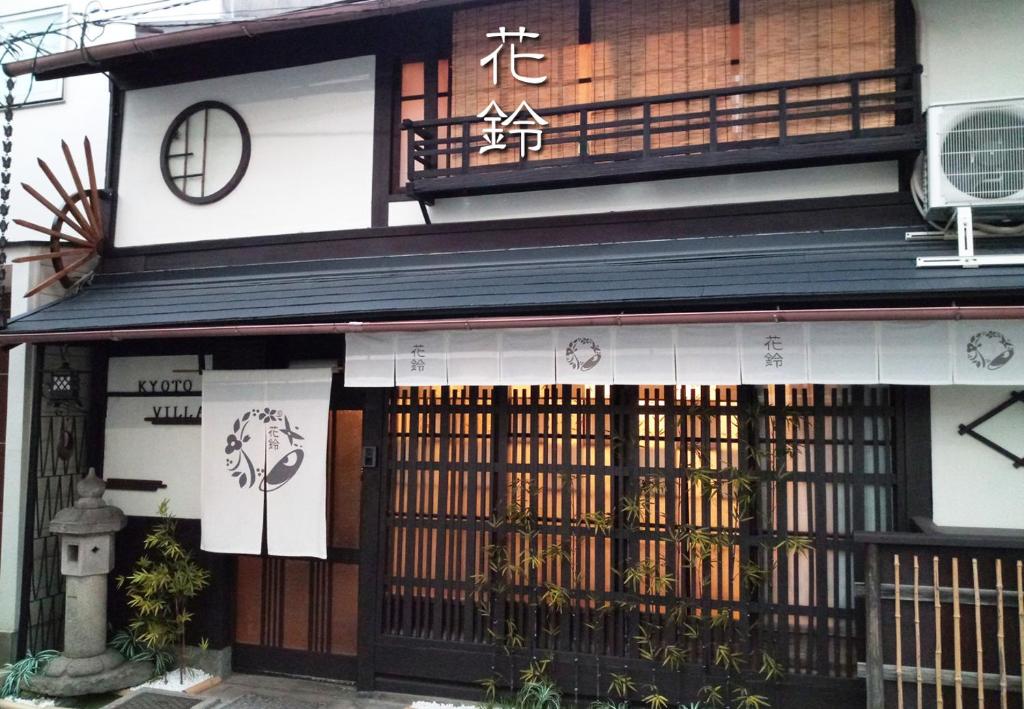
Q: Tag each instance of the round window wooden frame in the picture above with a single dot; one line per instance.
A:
(243, 162)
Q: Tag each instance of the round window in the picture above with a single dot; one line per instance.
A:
(205, 152)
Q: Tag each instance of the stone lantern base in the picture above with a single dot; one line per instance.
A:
(74, 677)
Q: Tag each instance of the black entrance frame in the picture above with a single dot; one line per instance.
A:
(360, 669)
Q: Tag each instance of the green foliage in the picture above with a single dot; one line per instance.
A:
(536, 671)
(161, 587)
(556, 597)
(646, 575)
(743, 699)
(655, 699)
(133, 649)
(712, 695)
(609, 704)
(622, 686)
(543, 694)
(770, 667)
(19, 673)
(511, 640)
(490, 685)
(538, 691)
(727, 658)
(796, 544)
(600, 522)
(673, 657)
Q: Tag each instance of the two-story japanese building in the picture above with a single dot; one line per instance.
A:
(677, 343)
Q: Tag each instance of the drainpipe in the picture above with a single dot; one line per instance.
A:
(954, 312)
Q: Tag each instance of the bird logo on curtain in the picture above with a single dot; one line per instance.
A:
(264, 446)
(583, 354)
(989, 350)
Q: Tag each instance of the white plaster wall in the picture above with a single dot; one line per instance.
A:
(38, 129)
(972, 485)
(970, 49)
(802, 183)
(15, 479)
(138, 450)
(312, 156)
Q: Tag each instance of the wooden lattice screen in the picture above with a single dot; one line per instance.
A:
(566, 462)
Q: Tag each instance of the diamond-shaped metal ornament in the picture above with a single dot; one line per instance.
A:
(969, 429)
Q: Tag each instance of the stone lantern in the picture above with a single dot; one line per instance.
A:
(87, 665)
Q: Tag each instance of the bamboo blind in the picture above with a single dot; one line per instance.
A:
(655, 47)
(658, 47)
(557, 22)
(799, 39)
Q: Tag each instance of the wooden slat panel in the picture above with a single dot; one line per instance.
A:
(249, 600)
(346, 479)
(344, 601)
(296, 604)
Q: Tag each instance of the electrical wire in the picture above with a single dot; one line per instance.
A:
(16, 45)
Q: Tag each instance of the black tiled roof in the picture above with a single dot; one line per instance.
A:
(754, 270)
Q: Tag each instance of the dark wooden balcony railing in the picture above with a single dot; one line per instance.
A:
(870, 114)
(945, 621)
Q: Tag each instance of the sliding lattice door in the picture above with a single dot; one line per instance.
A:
(565, 519)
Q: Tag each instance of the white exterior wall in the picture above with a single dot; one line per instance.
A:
(312, 156)
(38, 132)
(39, 128)
(137, 449)
(972, 485)
(803, 183)
(970, 50)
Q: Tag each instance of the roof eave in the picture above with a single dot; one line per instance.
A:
(809, 315)
(91, 60)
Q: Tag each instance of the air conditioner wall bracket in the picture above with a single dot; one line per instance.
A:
(965, 257)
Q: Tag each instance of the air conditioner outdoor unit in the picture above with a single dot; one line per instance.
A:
(974, 171)
(976, 155)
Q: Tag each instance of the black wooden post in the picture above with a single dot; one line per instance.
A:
(873, 634)
(713, 121)
(372, 553)
(584, 137)
(647, 129)
(467, 139)
(782, 116)
(855, 107)
(410, 147)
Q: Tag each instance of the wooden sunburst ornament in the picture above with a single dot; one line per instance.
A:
(76, 234)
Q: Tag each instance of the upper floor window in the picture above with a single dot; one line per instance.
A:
(31, 34)
(424, 93)
(205, 152)
(636, 80)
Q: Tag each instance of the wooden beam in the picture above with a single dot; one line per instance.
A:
(53, 232)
